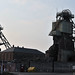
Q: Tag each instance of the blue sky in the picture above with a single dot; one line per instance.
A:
(28, 22)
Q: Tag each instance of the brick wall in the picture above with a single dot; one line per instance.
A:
(6, 56)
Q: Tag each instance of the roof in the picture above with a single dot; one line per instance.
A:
(24, 50)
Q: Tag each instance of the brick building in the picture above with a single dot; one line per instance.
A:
(20, 54)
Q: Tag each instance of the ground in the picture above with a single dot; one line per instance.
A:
(21, 73)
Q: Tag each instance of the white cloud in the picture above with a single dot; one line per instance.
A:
(19, 1)
(35, 5)
(32, 4)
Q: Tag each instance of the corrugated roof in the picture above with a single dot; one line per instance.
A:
(25, 50)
